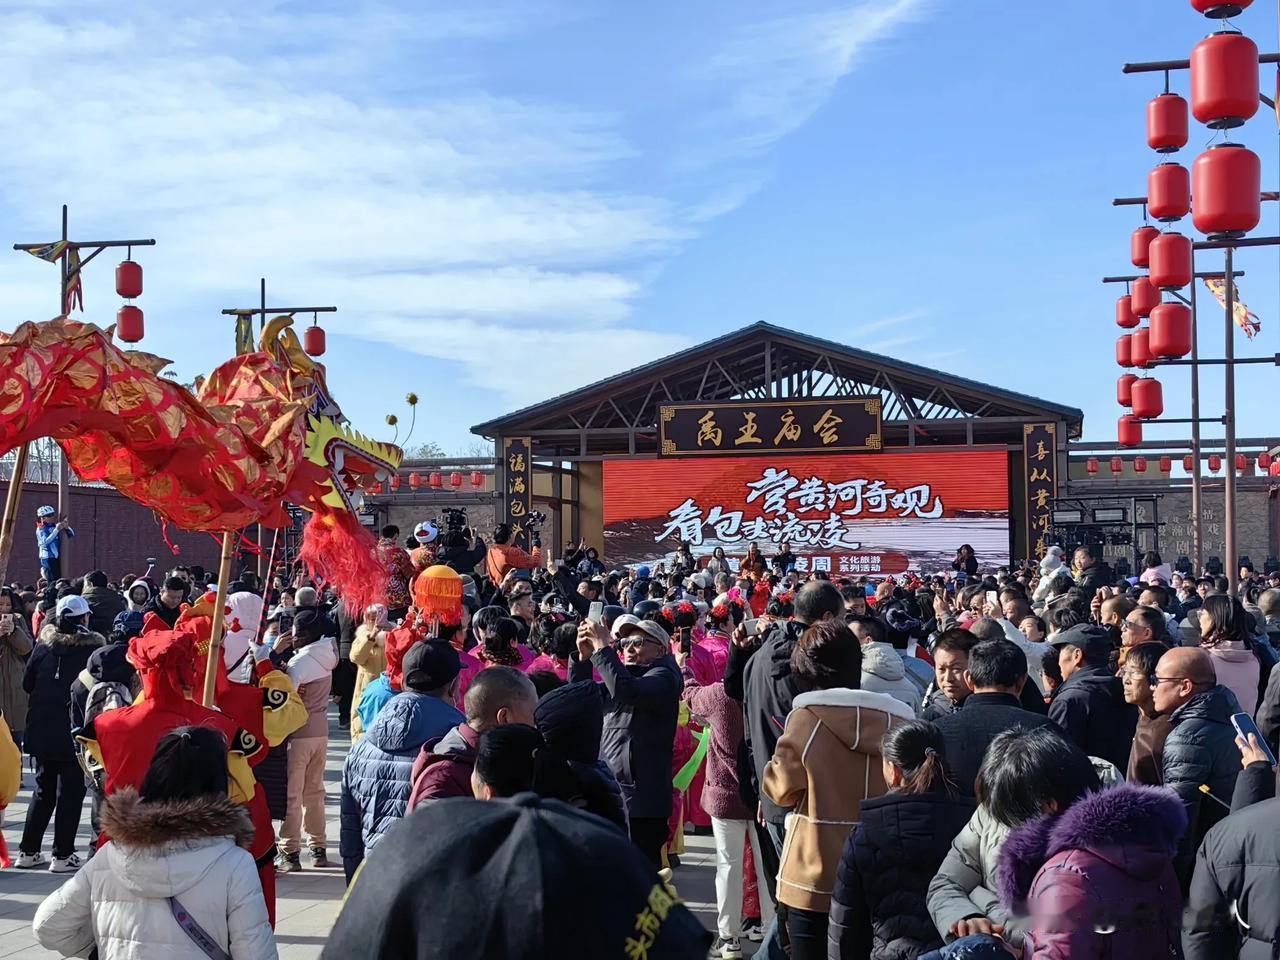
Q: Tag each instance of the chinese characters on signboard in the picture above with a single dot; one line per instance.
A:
(1040, 462)
(803, 513)
(517, 472)
(801, 426)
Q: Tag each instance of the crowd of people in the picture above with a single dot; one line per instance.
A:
(1035, 761)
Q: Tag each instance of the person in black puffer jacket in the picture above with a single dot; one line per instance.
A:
(878, 910)
(1200, 749)
(571, 719)
(62, 652)
(104, 603)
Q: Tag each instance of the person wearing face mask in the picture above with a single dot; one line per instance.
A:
(641, 695)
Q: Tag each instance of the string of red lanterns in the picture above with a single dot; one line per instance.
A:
(129, 319)
(1264, 461)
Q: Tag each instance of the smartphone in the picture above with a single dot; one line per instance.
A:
(856, 606)
(686, 641)
(595, 613)
(751, 626)
(286, 622)
(993, 597)
(7, 619)
(1244, 726)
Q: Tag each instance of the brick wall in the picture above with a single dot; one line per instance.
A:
(112, 533)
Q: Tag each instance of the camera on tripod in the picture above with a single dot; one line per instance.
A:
(535, 520)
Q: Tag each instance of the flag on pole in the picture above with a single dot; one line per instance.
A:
(1245, 318)
(73, 293)
(50, 252)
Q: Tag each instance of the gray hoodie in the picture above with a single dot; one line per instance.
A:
(883, 672)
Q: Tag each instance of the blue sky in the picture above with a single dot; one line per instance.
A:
(508, 200)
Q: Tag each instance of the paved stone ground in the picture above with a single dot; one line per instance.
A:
(308, 901)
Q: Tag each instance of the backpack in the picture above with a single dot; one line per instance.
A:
(104, 695)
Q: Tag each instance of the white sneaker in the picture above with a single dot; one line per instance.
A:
(30, 861)
(66, 864)
(728, 949)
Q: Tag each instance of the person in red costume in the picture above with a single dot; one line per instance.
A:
(171, 663)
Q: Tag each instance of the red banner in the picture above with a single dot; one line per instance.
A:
(920, 505)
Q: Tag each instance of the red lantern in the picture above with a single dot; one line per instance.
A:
(1169, 335)
(313, 341)
(1242, 463)
(1228, 185)
(1188, 463)
(1092, 466)
(1148, 399)
(1167, 123)
(1117, 465)
(455, 480)
(395, 482)
(1129, 434)
(1224, 80)
(1169, 192)
(129, 279)
(437, 481)
(1215, 463)
(1144, 298)
(415, 481)
(1124, 388)
(129, 326)
(1124, 313)
(1124, 350)
(477, 478)
(1166, 464)
(1140, 464)
(1264, 461)
(1170, 258)
(1140, 348)
(1139, 241)
(1218, 10)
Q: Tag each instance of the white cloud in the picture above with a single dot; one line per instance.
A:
(781, 71)
(356, 154)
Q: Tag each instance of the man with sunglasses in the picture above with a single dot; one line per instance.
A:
(641, 694)
(1200, 749)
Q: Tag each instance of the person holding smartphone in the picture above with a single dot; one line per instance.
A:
(15, 647)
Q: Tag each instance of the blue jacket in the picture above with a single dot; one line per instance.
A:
(49, 542)
(376, 696)
(376, 778)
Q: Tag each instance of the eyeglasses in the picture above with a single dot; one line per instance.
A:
(631, 643)
(1155, 681)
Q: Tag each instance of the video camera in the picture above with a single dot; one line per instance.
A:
(453, 519)
(535, 520)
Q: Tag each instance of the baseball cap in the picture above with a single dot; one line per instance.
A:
(649, 628)
(1089, 637)
(128, 621)
(72, 605)
(522, 879)
(642, 573)
(430, 664)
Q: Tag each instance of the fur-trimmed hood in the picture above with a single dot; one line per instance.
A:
(1133, 828)
(167, 849)
(50, 637)
(130, 822)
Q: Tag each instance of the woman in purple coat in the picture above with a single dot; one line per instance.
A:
(1097, 879)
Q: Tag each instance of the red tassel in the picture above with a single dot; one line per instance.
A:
(339, 551)
(164, 533)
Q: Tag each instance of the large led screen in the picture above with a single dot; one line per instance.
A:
(851, 513)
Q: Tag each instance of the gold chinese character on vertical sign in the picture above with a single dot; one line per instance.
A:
(708, 431)
(517, 508)
(1041, 452)
(1039, 476)
(748, 432)
(826, 427)
(790, 429)
(517, 484)
(516, 462)
(1041, 499)
(1042, 547)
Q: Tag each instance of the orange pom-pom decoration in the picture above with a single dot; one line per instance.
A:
(438, 593)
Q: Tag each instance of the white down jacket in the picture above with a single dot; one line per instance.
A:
(182, 849)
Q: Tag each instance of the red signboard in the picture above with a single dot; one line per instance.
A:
(918, 505)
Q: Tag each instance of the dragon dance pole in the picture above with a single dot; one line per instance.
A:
(10, 521)
(219, 615)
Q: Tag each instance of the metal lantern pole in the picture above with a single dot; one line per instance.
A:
(1229, 421)
(65, 274)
